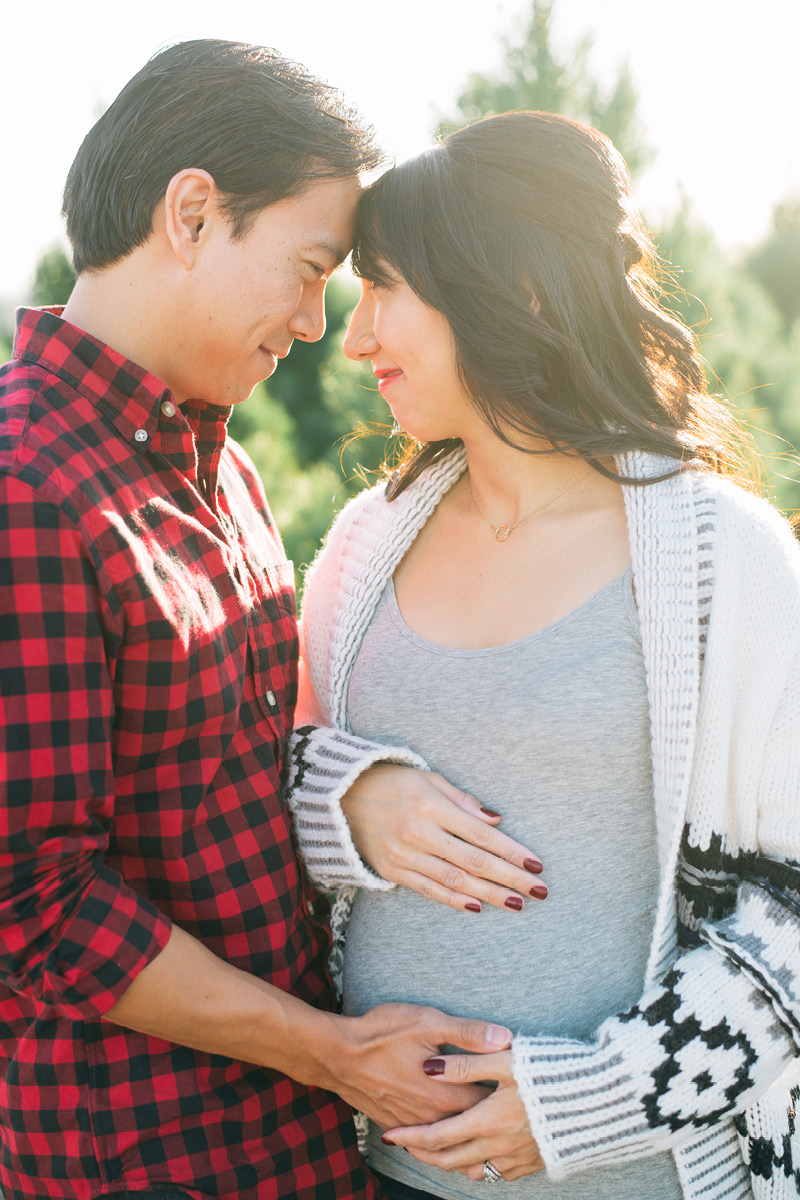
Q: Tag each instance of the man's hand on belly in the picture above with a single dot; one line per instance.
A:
(376, 1062)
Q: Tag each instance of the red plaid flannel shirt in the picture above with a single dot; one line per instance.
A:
(147, 685)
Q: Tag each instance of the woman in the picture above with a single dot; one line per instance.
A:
(563, 605)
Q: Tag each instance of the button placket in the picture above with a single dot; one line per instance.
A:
(267, 699)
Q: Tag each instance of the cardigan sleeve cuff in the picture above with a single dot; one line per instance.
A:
(324, 765)
(699, 1047)
(581, 1103)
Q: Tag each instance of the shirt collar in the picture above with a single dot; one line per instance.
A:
(135, 400)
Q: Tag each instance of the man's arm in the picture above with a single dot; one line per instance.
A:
(72, 933)
(189, 996)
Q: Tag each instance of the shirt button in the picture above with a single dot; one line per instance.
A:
(140, 435)
(310, 908)
(168, 408)
(271, 701)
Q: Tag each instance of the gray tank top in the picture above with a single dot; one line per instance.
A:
(553, 732)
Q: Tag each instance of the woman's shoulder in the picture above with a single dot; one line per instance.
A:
(355, 531)
(749, 534)
(740, 511)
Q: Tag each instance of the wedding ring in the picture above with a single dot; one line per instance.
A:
(491, 1173)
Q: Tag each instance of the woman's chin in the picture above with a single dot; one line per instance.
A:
(423, 431)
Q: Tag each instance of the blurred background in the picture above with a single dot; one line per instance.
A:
(701, 96)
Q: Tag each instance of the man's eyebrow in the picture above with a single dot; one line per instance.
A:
(337, 252)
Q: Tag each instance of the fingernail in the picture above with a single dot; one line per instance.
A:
(388, 1141)
(498, 1035)
(514, 902)
(472, 907)
(434, 1066)
(489, 812)
(539, 892)
(533, 865)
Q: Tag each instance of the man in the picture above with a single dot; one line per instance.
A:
(164, 1004)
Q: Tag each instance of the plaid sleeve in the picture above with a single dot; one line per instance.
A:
(72, 934)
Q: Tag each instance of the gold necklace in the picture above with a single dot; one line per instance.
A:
(503, 532)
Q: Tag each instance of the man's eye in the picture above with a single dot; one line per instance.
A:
(320, 272)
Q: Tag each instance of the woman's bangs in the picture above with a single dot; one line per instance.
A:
(369, 258)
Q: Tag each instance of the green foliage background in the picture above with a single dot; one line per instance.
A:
(745, 309)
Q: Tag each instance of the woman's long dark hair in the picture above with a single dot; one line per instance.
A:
(522, 231)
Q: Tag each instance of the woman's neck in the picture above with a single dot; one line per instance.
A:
(504, 484)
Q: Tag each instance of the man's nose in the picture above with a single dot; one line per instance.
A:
(308, 322)
(359, 340)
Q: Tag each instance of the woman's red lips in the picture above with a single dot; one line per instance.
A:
(386, 377)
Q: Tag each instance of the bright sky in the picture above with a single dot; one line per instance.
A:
(717, 79)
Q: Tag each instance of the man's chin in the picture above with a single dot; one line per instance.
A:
(239, 394)
(268, 361)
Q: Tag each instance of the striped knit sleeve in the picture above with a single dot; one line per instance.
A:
(324, 765)
(701, 1046)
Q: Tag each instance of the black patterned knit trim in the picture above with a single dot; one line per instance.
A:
(762, 1154)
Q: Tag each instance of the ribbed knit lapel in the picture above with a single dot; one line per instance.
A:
(663, 540)
(376, 544)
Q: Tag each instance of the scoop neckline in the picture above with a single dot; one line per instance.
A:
(504, 647)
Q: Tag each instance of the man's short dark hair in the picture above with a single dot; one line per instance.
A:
(259, 124)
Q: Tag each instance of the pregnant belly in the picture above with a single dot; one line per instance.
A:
(558, 968)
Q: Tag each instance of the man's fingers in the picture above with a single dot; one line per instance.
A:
(481, 1038)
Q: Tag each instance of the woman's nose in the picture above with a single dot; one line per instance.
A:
(359, 340)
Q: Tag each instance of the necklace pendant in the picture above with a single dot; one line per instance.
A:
(502, 532)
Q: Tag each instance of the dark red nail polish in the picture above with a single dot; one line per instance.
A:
(533, 865)
(489, 812)
(514, 902)
(388, 1141)
(472, 907)
(539, 892)
(434, 1066)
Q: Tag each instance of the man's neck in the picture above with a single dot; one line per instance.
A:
(116, 307)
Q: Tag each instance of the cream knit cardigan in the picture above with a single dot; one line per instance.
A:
(705, 1064)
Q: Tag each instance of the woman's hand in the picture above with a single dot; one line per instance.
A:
(416, 829)
(495, 1130)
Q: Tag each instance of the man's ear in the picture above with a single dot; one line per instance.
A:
(191, 203)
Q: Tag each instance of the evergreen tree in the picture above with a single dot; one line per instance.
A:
(776, 262)
(751, 360)
(535, 77)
